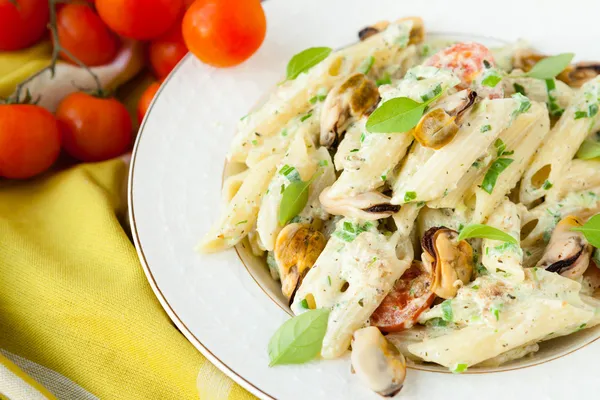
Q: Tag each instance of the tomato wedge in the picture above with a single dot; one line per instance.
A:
(410, 296)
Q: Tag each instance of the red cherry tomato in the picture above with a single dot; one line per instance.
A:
(93, 129)
(166, 51)
(139, 19)
(224, 33)
(410, 296)
(85, 36)
(468, 61)
(29, 140)
(22, 25)
(146, 100)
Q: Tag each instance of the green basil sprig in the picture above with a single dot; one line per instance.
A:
(485, 232)
(305, 60)
(299, 339)
(549, 67)
(398, 115)
(294, 198)
(591, 230)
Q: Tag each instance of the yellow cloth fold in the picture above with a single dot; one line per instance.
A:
(74, 298)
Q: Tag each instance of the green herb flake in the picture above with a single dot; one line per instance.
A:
(519, 89)
(523, 104)
(366, 65)
(353, 150)
(447, 313)
(485, 232)
(496, 312)
(409, 196)
(350, 231)
(383, 177)
(304, 304)
(284, 132)
(386, 80)
(475, 287)
(329, 280)
(254, 142)
(491, 176)
(459, 368)
(305, 60)
(553, 108)
(491, 80)
(486, 128)
(305, 117)
(432, 94)
(299, 339)
(241, 222)
(362, 137)
(323, 163)
(500, 146)
(547, 185)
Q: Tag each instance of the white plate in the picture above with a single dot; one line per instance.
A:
(175, 185)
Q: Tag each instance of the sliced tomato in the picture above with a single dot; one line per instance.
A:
(468, 61)
(410, 296)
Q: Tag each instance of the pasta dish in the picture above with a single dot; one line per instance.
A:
(422, 201)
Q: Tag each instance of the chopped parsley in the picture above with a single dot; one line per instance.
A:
(383, 177)
(304, 304)
(428, 96)
(284, 132)
(592, 111)
(523, 104)
(486, 128)
(323, 163)
(316, 98)
(491, 80)
(353, 150)
(553, 108)
(386, 80)
(350, 231)
(241, 222)
(491, 176)
(329, 280)
(290, 173)
(547, 185)
(459, 368)
(409, 196)
(447, 314)
(362, 137)
(366, 65)
(305, 117)
(496, 312)
(254, 142)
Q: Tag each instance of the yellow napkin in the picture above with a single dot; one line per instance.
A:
(76, 311)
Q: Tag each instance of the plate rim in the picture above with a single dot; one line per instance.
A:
(216, 361)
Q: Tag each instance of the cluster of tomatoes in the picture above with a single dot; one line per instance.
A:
(91, 126)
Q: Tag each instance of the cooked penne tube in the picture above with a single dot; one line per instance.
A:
(351, 277)
(579, 175)
(292, 97)
(241, 213)
(502, 258)
(563, 141)
(441, 170)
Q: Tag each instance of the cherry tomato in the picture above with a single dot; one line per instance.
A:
(166, 51)
(83, 34)
(146, 100)
(22, 25)
(224, 33)
(29, 140)
(468, 61)
(93, 129)
(410, 296)
(139, 19)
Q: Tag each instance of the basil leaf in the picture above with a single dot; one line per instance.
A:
(589, 149)
(299, 339)
(549, 67)
(293, 200)
(397, 115)
(591, 230)
(485, 232)
(491, 176)
(305, 60)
